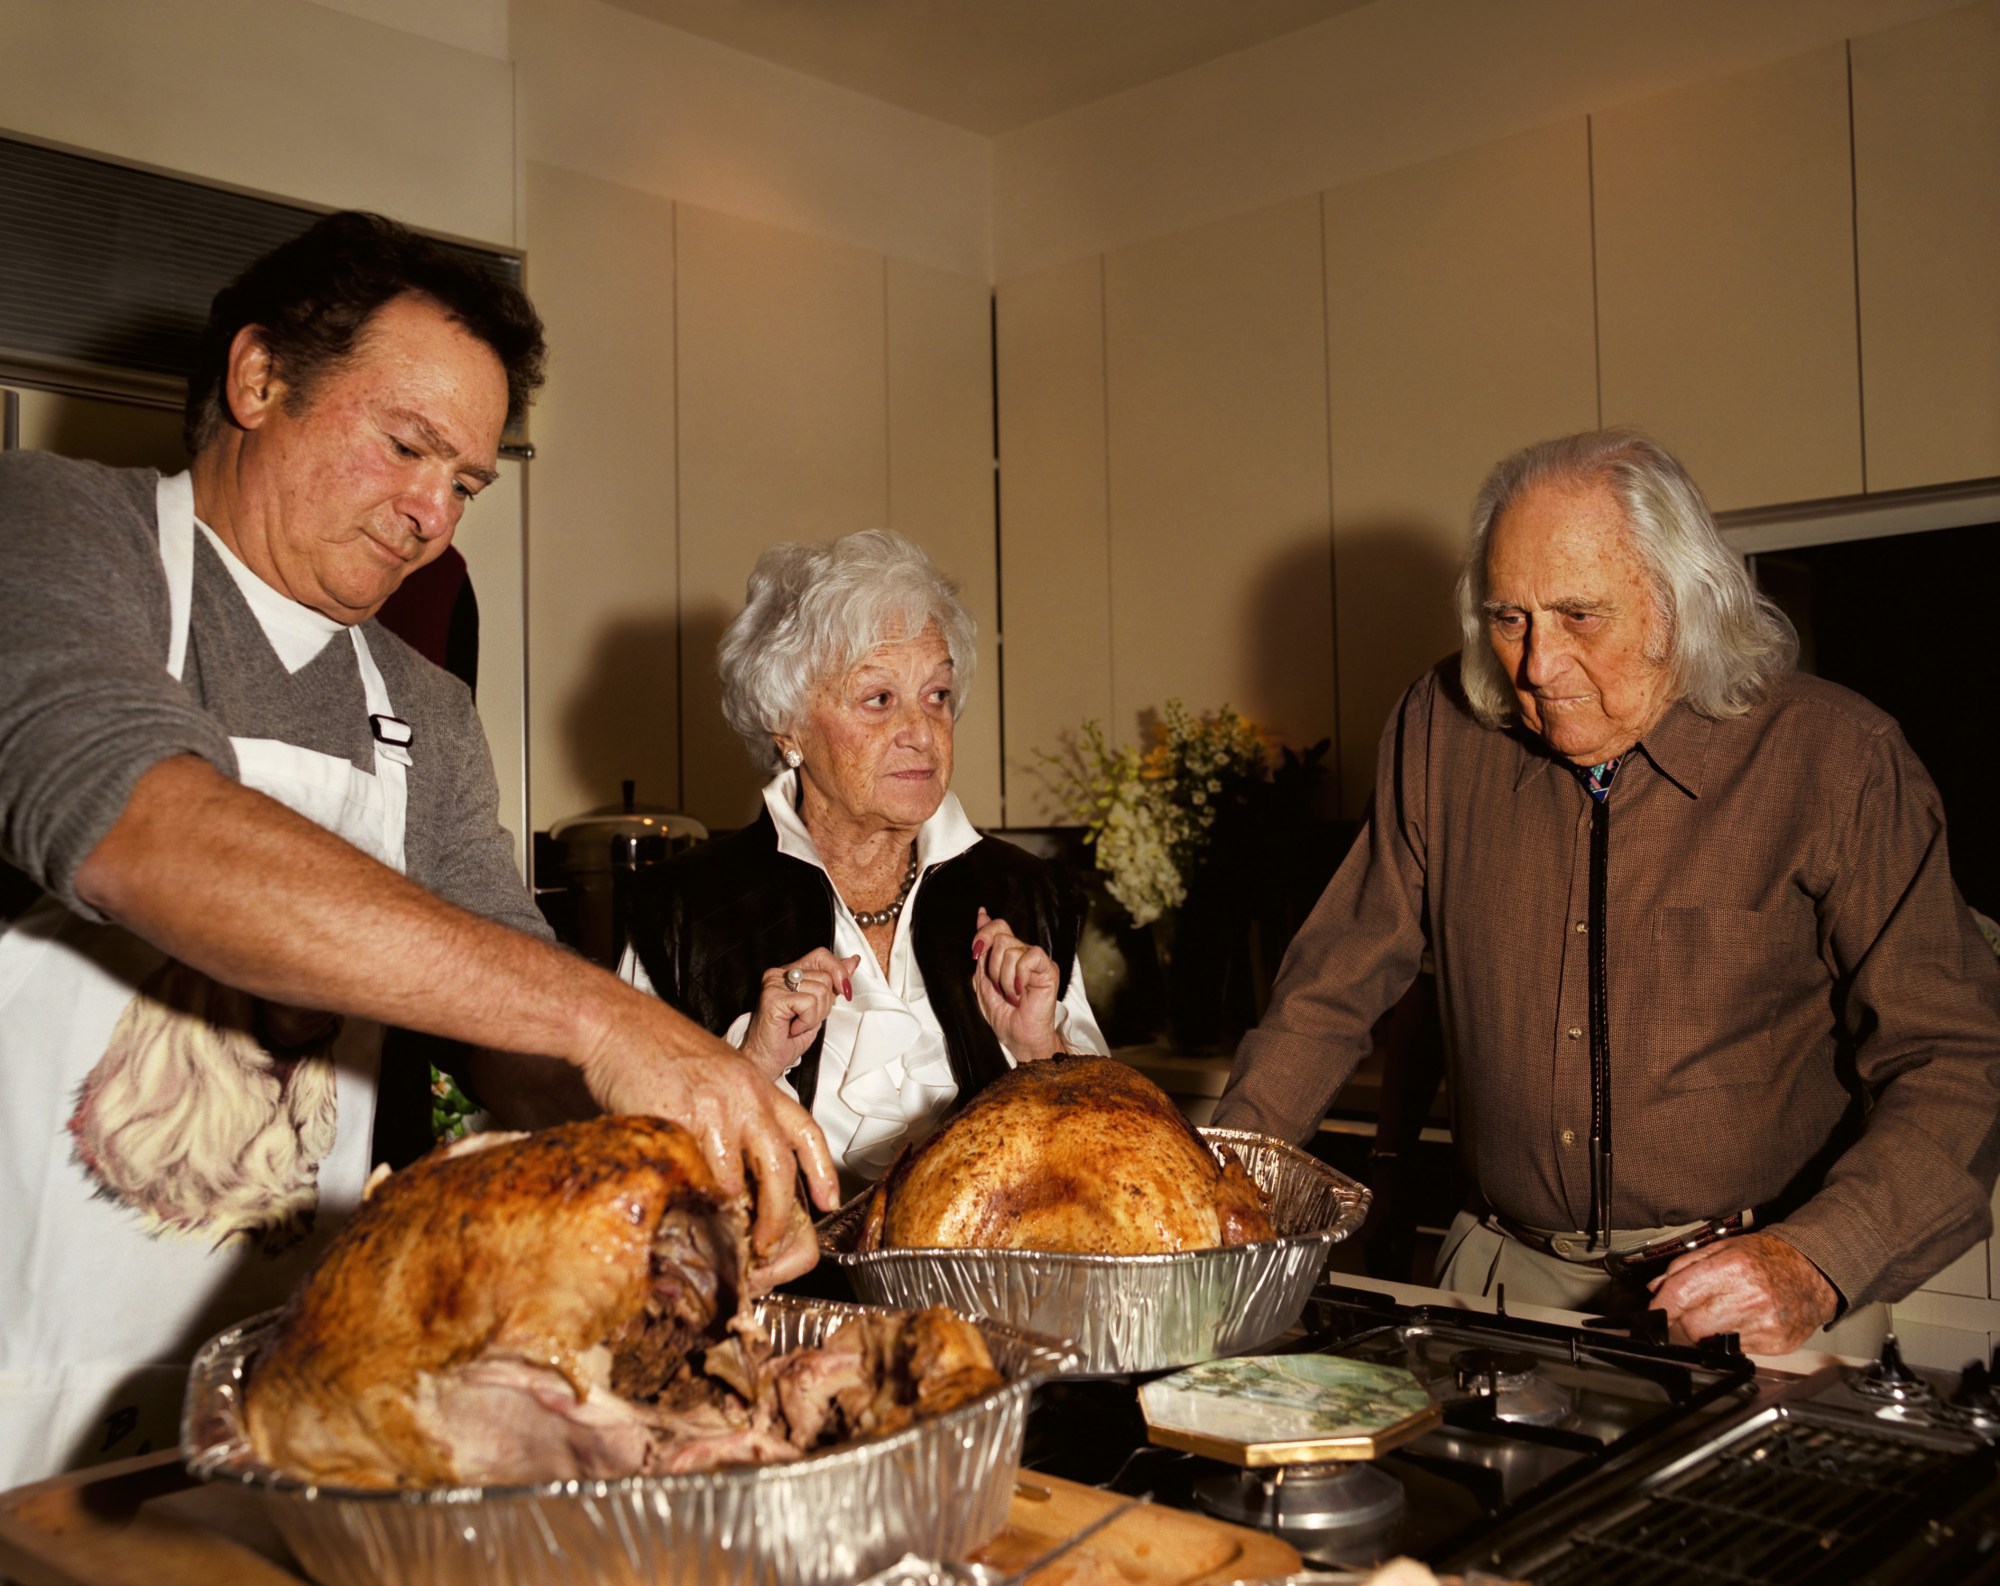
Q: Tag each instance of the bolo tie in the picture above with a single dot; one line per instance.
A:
(1597, 783)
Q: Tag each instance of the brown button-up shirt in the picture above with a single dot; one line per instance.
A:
(1801, 1009)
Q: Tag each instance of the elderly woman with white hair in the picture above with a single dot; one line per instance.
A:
(861, 942)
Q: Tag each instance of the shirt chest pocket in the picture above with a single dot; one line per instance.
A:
(1715, 983)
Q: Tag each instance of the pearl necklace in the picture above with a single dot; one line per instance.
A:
(883, 916)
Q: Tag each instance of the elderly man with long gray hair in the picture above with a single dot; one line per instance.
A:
(1723, 1038)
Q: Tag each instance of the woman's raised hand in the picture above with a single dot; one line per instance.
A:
(1018, 986)
(794, 1003)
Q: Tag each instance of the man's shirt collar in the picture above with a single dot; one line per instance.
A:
(1677, 747)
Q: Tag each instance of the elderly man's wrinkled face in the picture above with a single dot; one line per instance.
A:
(1570, 612)
(345, 499)
(877, 739)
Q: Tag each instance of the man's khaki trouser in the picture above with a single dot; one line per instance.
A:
(1477, 1258)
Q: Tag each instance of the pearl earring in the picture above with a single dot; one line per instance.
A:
(794, 759)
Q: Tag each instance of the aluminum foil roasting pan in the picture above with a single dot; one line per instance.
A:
(939, 1489)
(1134, 1313)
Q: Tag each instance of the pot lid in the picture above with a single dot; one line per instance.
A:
(586, 838)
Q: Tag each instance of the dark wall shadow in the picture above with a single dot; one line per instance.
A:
(621, 723)
(1287, 606)
(720, 785)
(1392, 621)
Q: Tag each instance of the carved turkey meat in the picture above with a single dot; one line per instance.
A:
(1077, 1154)
(567, 1304)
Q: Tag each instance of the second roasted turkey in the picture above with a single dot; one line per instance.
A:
(1075, 1154)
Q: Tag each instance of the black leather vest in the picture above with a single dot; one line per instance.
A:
(708, 924)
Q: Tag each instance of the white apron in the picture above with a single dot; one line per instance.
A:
(215, 1170)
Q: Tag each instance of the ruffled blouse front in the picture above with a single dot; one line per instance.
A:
(885, 1074)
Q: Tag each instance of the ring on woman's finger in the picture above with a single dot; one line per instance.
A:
(793, 977)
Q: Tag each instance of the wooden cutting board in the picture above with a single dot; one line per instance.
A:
(1148, 1545)
(145, 1522)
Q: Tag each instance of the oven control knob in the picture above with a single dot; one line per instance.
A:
(1890, 1379)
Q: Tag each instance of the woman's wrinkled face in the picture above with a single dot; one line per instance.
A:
(877, 737)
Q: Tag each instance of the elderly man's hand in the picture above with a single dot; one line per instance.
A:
(1017, 986)
(651, 1061)
(1755, 1285)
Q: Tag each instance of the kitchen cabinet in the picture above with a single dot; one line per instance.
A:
(940, 352)
(1220, 559)
(822, 389)
(1725, 279)
(603, 545)
(1055, 552)
(1927, 235)
(1459, 328)
(783, 435)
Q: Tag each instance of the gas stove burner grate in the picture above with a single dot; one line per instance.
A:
(1507, 1386)
(1795, 1502)
(1312, 1498)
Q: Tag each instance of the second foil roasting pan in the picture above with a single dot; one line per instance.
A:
(1133, 1313)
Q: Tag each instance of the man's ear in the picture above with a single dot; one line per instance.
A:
(250, 388)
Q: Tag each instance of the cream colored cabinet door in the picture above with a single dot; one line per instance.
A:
(1459, 328)
(1220, 561)
(603, 552)
(1725, 279)
(1055, 551)
(783, 426)
(940, 350)
(1927, 217)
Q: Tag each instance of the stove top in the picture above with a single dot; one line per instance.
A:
(1587, 1454)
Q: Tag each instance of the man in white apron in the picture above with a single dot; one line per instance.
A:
(242, 802)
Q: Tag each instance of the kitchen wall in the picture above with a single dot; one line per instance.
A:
(829, 255)
(1260, 327)
(1779, 257)
(769, 304)
(283, 97)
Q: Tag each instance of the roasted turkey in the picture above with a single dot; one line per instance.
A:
(1077, 1153)
(565, 1304)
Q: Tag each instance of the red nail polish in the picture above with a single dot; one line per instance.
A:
(978, 948)
(847, 989)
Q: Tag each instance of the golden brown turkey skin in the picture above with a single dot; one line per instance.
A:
(1077, 1153)
(510, 1274)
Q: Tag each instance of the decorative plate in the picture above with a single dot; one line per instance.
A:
(1257, 1410)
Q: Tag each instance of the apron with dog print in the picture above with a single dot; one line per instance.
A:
(176, 1152)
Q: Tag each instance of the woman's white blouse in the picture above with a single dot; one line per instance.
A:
(884, 1071)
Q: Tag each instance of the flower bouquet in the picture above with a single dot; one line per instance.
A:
(1181, 831)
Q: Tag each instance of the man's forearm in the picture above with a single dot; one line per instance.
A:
(245, 890)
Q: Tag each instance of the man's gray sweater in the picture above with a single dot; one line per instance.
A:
(87, 705)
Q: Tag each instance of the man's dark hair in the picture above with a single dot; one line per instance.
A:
(314, 296)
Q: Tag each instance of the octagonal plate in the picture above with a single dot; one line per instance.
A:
(1257, 1410)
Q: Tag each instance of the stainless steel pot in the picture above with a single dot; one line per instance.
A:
(585, 864)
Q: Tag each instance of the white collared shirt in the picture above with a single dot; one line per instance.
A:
(884, 1071)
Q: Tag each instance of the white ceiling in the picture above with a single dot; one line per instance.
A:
(988, 65)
